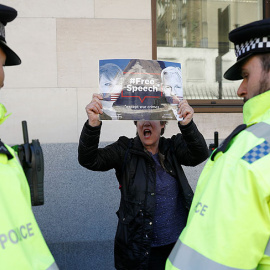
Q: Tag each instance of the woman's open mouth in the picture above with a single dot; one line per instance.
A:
(147, 133)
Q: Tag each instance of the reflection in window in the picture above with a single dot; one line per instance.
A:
(188, 32)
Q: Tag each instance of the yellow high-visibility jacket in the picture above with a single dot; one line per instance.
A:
(228, 226)
(22, 246)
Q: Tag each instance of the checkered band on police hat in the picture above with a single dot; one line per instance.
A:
(260, 44)
(249, 39)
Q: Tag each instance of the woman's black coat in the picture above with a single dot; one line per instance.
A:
(136, 173)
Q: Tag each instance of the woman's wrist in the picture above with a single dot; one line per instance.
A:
(94, 123)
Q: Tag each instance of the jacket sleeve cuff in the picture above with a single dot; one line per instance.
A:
(90, 135)
(90, 128)
(186, 127)
(189, 131)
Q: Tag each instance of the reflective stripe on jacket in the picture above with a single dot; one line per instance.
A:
(22, 245)
(229, 221)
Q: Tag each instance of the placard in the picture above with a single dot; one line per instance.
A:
(137, 89)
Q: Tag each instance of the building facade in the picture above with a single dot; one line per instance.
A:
(60, 44)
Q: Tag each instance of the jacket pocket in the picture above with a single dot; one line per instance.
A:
(128, 241)
(129, 228)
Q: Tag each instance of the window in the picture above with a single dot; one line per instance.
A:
(195, 34)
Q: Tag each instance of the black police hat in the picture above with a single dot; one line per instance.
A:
(249, 39)
(7, 14)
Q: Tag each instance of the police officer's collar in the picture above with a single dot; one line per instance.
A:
(254, 110)
(224, 145)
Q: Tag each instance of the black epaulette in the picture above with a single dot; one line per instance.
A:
(223, 146)
(4, 150)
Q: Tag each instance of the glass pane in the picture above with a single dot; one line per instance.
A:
(195, 34)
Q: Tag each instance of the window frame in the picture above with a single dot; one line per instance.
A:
(205, 105)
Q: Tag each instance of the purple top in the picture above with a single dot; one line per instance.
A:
(170, 214)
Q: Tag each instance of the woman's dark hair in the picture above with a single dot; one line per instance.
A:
(161, 122)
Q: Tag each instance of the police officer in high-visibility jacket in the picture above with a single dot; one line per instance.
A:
(22, 246)
(228, 226)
